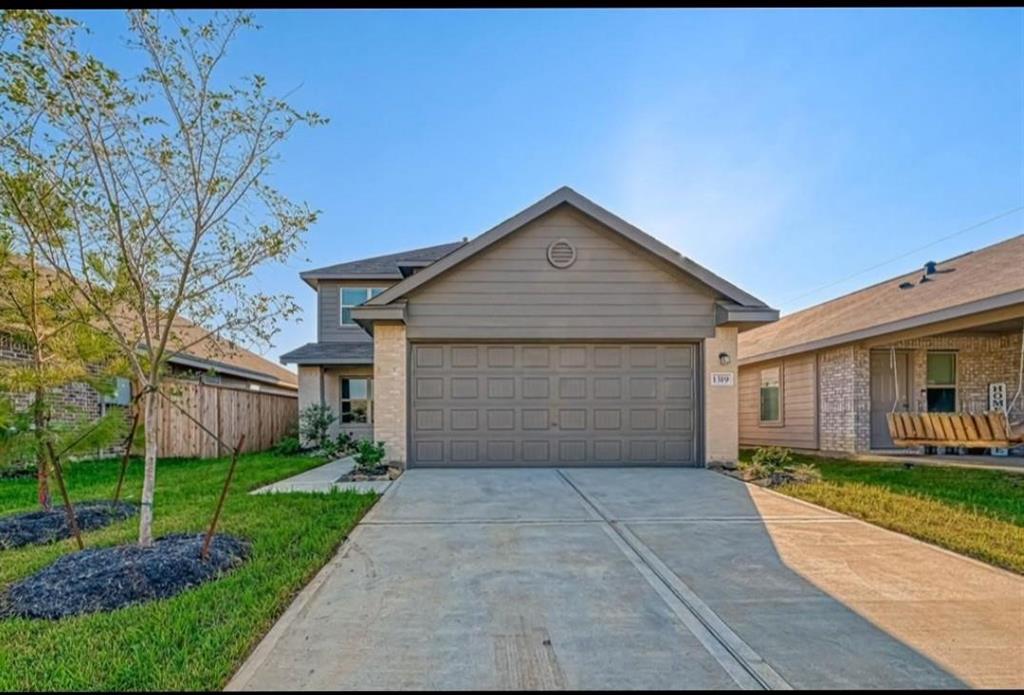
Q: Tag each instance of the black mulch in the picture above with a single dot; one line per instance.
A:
(105, 579)
(29, 528)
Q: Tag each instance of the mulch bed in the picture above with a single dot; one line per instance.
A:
(31, 528)
(378, 473)
(105, 579)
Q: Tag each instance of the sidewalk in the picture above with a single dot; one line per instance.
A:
(324, 479)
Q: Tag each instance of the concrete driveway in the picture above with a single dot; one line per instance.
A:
(635, 578)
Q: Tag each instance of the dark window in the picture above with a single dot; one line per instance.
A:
(353, 297)
(356, 400)
(941, 386)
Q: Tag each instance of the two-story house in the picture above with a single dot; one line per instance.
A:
(562, 336)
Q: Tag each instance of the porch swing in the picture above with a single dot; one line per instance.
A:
(988, 430)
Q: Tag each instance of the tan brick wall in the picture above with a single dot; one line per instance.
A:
(844, 377)
(390, 358)
(981, 360)
(721, 403)
(844, 405)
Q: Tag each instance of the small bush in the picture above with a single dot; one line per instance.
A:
(287, 446)
(772, 458)
(368, 455)
(774, 466)
(345, 445)
(314, 424)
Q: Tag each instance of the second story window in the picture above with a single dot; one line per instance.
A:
(353, 297)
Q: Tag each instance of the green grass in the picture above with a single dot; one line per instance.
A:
(196, 640)
(976, 512)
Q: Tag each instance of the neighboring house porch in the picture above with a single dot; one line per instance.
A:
(826, 378)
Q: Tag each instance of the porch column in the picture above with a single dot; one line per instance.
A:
(721, 402)
(390, 357)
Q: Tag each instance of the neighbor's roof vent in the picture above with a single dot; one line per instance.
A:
(929, 268)
(561, 254)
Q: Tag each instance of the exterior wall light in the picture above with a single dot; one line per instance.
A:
(724, 359)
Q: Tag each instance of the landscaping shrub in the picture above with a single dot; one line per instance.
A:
(288, 446)
(314, 423)
(774, 466)
(369, 455)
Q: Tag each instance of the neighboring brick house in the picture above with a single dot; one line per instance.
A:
(562, 336)
(942, 339)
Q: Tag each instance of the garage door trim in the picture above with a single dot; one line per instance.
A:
(698, 394)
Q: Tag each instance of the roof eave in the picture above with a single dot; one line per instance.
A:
(940, 315)
(743, 317)
(328, 361)
(223, 368)
(366, 315)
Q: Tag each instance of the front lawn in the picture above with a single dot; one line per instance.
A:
(975, 512)
(196, 640)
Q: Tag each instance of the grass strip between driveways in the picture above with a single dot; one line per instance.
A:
(196, 640)
(976, 512)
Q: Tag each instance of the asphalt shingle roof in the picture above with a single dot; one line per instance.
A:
(986, 273)
(356, 352)
(382, 266)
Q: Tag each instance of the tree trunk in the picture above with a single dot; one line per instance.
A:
(149, 475)
(42, 462)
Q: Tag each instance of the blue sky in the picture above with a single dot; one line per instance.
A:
(781, 149)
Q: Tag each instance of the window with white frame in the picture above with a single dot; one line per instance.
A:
(941, 382)
(771, 396)
(353, 297)
(356, 405)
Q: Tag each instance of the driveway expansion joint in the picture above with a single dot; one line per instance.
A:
(746, 667)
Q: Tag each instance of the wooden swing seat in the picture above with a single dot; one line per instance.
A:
(988, 430)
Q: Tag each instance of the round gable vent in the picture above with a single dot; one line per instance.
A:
(561, 254)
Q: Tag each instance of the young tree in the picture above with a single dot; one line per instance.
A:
(62, 350)
(166, 181)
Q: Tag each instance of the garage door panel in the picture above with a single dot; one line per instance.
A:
(571, 404)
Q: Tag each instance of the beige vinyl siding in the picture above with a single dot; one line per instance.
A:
(329, 328)
(612, 291)
(799, 428)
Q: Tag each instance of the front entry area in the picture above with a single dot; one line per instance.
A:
(890, 388)
(565, 404)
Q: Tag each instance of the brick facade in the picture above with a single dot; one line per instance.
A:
(844, 377)
(73, 402)
(390, 360)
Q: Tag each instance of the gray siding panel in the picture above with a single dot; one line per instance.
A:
(799, 429)
(613, 291)
(329, 328)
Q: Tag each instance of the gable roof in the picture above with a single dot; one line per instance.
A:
(989, 278)
(567, 196)
(388, 267)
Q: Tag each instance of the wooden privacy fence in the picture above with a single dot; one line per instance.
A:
(264, 418)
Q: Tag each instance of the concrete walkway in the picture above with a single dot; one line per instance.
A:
(324, 479)
(638, 578)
